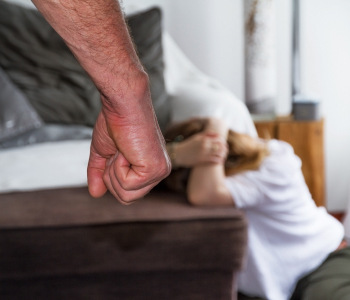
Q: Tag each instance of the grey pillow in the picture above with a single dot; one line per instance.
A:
(16, 114)
(49, 133)
(146, 30)
(38, 61)
(41, 65)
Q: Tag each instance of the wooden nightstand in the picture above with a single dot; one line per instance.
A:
(306, 137)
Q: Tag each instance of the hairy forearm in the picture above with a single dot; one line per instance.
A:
(127, 153)
(96, 33)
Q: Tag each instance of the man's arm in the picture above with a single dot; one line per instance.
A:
(128, 154)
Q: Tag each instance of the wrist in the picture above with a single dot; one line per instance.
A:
(127, 93)
(218, 127)
(124, 83)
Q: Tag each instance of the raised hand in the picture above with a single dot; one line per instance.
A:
(127, 152)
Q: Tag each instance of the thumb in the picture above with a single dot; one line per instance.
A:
(95, 170)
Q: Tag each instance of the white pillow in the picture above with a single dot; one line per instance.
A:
(193, 94)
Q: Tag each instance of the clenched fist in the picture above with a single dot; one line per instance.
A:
(128, 155)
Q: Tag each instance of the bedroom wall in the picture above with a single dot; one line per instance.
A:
(210, 33)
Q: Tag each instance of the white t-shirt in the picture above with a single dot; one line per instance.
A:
(288, 236)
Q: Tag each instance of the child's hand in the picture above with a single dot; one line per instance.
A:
(201, 148)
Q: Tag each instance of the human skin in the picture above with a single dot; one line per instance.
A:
(206, 183)
(198, 149)
(128, 154)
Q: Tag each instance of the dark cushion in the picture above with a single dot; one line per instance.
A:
(75, 207)
(161, 220)
(17, 116)
(41, 65)
(169, 285)
(64, 244)
(146, 30)
(38, 61)
(244, 297)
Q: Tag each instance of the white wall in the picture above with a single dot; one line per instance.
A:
(326, 72)
(210, 32)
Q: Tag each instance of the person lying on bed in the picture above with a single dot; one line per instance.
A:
(289, 238)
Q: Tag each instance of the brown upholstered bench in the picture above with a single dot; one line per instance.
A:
(63, 244)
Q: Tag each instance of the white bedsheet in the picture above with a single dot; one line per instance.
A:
(44, 166)
(194, 94)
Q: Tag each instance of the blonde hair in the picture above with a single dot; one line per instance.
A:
(244, 152)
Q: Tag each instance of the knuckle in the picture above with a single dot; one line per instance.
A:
(162, 169)
(129, 185)
(126, 199)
